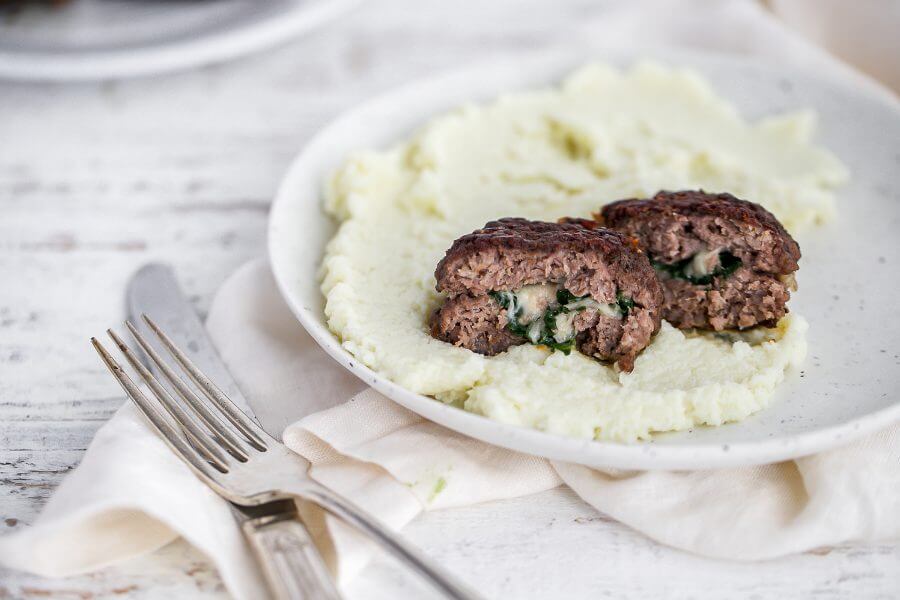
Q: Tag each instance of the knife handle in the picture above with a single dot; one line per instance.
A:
(290, 561)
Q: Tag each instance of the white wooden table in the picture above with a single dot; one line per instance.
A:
(96, 179)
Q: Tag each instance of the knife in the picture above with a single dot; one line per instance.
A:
(288, 558)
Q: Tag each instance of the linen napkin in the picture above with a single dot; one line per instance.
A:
(130, 495)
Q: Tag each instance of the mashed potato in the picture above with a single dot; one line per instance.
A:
(602, 136)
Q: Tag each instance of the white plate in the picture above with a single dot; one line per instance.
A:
(99, 39)
(849, 276)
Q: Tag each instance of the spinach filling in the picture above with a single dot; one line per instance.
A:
(545, 329)
(728, 264)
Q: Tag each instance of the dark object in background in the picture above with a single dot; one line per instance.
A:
(9, 8)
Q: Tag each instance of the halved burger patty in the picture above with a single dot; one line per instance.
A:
(561, 285)
(724, 263)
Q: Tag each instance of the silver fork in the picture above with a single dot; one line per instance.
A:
(236, 458)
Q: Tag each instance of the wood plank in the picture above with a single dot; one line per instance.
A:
(176, 571)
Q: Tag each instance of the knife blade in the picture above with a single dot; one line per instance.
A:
(289, 559)
(153, 290)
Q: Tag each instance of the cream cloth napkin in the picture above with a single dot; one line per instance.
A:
(130, 495)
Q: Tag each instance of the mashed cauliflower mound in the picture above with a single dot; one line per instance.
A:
(602, 136)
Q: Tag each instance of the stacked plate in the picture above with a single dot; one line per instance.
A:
(100, 39)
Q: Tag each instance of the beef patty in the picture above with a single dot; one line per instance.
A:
(724, 263)
(561, 285)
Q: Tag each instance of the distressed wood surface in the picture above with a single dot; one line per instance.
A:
(96, 179)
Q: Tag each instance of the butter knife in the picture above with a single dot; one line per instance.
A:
(288, 558)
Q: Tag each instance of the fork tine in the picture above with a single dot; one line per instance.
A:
(238, 418)
(223, 431)
(205, 444)
(168, 433)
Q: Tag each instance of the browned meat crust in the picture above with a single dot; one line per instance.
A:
(508, 254)
(674, 226)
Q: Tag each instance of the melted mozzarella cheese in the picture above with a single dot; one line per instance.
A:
(534, 300)
(565, 327)
(703, 263)
(607, 310)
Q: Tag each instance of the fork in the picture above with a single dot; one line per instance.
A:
(233, 455)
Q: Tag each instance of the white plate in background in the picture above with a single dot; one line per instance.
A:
(849, 276)
(104, 39)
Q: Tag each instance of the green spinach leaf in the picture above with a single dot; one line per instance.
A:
(728, 264)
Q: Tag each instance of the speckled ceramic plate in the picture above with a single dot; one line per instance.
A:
(849, 276)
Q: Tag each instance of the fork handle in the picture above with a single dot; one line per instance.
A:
(351, 514)
(290, 561)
